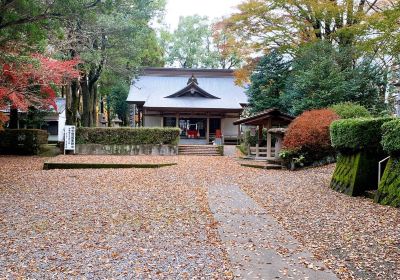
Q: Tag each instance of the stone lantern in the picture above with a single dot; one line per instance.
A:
(116, 122)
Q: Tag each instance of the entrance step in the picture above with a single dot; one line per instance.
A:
(199, 150)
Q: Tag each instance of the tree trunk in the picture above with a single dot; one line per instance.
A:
(72, 103)
(13, 118)
(108, 111)
(85, 118)
(94, 104)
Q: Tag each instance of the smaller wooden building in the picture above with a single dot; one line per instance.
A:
(271, 118)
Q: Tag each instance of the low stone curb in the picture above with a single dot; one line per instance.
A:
(55, 165)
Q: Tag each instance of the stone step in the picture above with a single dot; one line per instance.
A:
(202, 154)
(274, 161)
(262, 166)
(198, 150)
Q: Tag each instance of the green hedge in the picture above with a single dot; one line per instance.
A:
(356, 134)
(22, 141)
(349, 110)
(391, 136)
(389, 187)
(127, 136)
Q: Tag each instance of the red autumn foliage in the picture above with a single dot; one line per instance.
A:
(24, 84)
(310, 131)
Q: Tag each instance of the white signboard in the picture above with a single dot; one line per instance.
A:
(69, 138)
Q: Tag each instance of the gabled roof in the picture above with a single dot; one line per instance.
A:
(169, 88)
(261, 117)
(192, 90)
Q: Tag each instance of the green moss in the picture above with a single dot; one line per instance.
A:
(389, 187)
(356, 173)
(51, 165)
(220, 150)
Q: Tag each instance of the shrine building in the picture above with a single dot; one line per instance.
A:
(203, 103)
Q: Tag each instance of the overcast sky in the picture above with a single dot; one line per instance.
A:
(211, 8)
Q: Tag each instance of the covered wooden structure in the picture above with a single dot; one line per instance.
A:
(271, 118)
(204, 101)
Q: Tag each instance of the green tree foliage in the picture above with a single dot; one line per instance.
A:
(350, 110)
(317, 77)
(118, 96)
(320, 78)
(190, 44)
(268, 81)
(113, 37)
(196, 43)
(112, 40)
(264, 24)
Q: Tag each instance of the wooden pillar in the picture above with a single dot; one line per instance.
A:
(260, 134)
(269, 139)
(257, 150)
(134, 114)
(162, 121)
(208, 129)
(238, 136)
(177, 119)
(139, 117)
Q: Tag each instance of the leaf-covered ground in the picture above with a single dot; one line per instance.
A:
(141, 223)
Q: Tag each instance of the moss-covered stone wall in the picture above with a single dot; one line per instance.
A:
(389, 187)
(356, 173)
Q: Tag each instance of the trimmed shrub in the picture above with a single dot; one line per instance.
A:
(127, 136)
(22, 141)
(389, 187)
(391, 137)
(308, 135)
(349, 110)
(352, 135)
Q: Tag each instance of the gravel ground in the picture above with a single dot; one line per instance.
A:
(135, 223)
(156, 223)
(357, 238)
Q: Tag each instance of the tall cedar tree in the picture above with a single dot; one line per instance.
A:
(268, 81)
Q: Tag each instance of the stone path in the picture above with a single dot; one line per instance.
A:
(258, 247)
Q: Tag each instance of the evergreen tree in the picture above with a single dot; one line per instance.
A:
(268, 82)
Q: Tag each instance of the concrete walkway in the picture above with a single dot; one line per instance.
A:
(258, 247)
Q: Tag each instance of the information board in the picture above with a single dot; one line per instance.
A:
(69, 138)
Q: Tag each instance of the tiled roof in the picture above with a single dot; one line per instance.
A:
(155, 85)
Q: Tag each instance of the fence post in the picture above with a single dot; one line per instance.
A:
(257, 150)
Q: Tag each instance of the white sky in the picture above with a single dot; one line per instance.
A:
(211, 8)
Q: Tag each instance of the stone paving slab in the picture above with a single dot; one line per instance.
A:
(258, 247)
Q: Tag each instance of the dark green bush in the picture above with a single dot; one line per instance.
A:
(251, 141)
(351, 135)
(349, 110)
(391, 136)
(22, 141)
(127, 136)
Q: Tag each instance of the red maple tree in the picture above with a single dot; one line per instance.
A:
(24, 84)
(310, 131)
